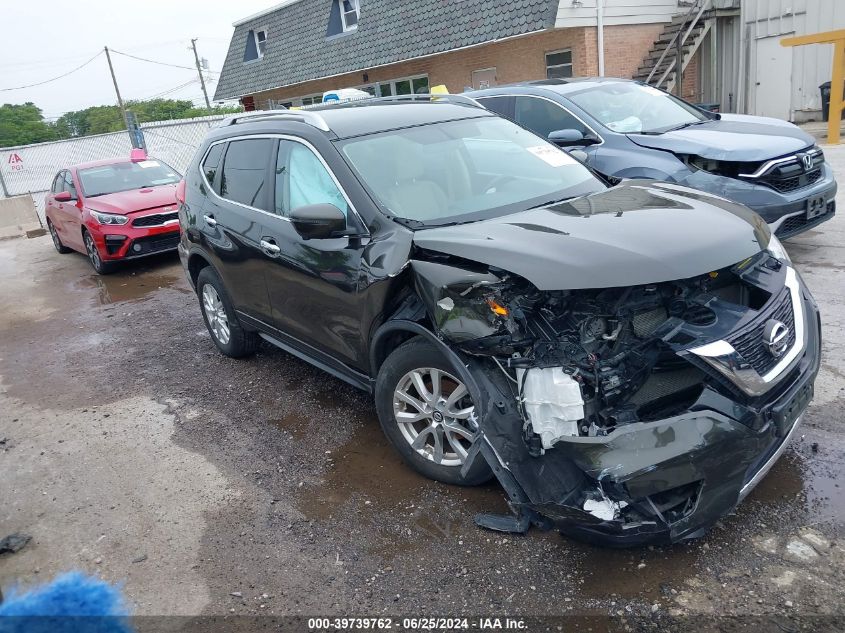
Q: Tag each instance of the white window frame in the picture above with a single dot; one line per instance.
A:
(258, 50)
(356, 8)
(557, 52)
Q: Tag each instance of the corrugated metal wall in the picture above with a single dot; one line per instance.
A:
(30, 169)
(811, 65)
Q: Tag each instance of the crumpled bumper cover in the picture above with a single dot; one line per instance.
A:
(715, 452)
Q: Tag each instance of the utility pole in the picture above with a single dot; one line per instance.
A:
(199, 72)
(116, 89)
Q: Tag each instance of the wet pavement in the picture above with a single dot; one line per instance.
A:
(126, 435)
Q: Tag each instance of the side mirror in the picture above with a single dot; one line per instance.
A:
(318, 221)
(565, 138)
(579, 154)
(63, 196)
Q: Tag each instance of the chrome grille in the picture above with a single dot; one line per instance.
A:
(749, 343)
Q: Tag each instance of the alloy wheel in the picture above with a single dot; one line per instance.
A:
(93, 253)
(435, 414)
(216, 314)
(56, 241)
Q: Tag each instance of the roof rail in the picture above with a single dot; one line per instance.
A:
(311, 118)
(414, 98)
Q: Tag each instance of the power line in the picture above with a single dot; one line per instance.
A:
(46, 81)
(152, 61)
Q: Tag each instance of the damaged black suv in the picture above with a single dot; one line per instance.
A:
(628, 359)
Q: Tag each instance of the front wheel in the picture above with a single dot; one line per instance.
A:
(102, 268)
(428, 415)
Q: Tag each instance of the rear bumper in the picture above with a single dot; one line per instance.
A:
(664, 481)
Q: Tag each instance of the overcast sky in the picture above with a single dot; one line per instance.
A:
(42, 39)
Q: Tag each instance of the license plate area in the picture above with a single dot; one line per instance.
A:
(815, 207)
(784, 415)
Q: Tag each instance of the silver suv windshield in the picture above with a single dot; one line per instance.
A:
(630, 108)
(460, 171)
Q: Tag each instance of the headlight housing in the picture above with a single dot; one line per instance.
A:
(109, 218)
(776, 250)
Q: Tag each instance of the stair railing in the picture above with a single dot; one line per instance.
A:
(698, 9)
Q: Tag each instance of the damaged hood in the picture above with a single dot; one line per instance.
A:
(639, 232)
(735, 137)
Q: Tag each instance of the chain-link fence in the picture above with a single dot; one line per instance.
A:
(30, 169)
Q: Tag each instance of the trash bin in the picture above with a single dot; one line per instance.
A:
(825, 92)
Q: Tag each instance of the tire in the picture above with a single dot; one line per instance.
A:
(102, 268)
(429, 423)
(220, 318)
(57, 241)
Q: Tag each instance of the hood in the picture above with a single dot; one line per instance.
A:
(134, 200)
(639, 232)
(735, 137)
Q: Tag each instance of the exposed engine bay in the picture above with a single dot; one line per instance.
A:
(584, 362)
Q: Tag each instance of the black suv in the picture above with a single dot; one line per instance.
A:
(627, 360)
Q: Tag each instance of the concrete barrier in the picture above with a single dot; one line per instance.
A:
(18, 217)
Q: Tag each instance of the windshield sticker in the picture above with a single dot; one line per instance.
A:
(148, 163)
(626, 125)
(551, 155)
(653, 91)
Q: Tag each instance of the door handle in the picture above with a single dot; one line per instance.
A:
(271, 248)
(209, 220)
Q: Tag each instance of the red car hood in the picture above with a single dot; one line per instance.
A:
(134, 200)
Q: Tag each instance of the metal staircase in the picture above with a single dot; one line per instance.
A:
(684, 35)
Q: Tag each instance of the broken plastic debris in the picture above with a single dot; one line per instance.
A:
(446, 304)
(604, 509)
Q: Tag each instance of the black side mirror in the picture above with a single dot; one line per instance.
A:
(568, 137)
(318, 221)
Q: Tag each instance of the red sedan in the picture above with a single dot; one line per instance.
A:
(114, 210)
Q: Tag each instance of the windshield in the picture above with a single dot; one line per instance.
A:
(634, 108)
(465, 170)
(99, 181)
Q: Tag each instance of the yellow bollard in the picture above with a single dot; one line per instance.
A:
(837, 38)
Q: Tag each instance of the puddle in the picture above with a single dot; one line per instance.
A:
(133, 282)
(292, 424)
(367, 478)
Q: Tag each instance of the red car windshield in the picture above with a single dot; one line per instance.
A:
(105, 179)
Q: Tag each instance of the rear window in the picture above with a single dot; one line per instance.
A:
(105, 179)
(245, 171)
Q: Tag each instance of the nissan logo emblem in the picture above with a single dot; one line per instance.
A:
(808, 161)
(776, 338)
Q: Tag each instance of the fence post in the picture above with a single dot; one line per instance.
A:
(3, 186)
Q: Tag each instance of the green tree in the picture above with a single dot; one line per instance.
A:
(21, 124)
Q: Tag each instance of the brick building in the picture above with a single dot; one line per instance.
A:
(290, 54)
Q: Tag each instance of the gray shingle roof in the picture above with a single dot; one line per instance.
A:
(388, 31)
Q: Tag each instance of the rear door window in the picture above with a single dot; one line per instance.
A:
(244, 175)
(543, 117)
(211, 164)
(502, 106)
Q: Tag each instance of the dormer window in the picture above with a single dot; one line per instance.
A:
(260, 42)
(349, 14)
(256, 44)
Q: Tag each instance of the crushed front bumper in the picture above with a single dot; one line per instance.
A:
(669, 479)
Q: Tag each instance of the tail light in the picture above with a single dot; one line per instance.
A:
(180, 192)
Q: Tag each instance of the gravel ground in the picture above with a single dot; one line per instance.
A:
(131, 449)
